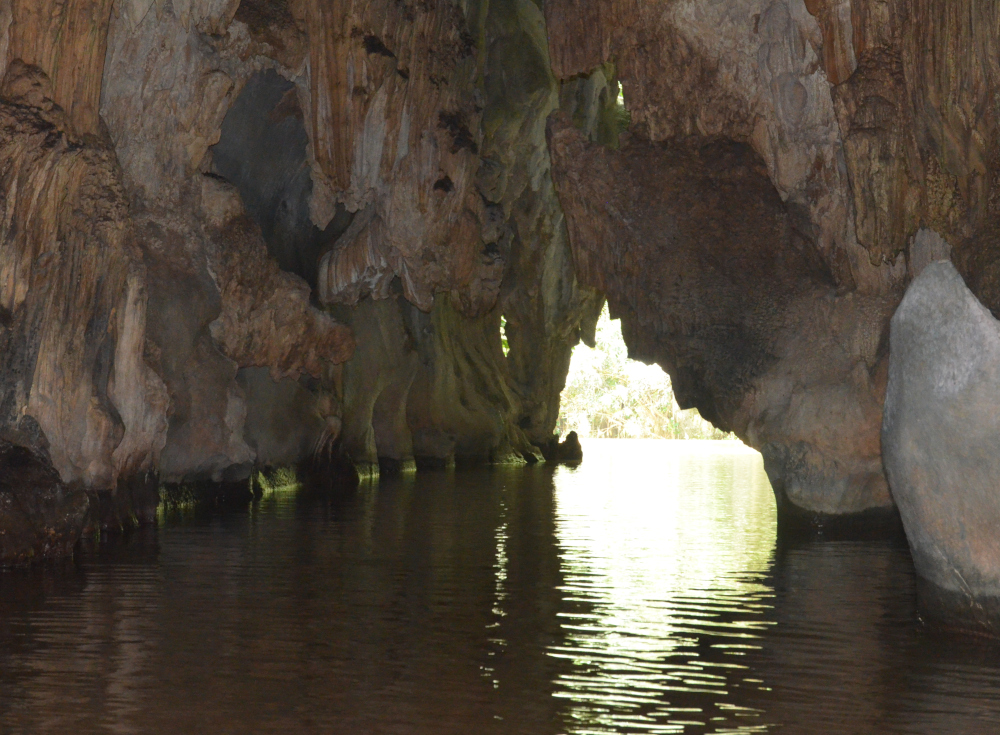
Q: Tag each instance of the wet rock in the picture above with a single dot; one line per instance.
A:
(568, 450)
(39, 515)
(393, 112)
(461, 405)
(221, 303)
(941, 434)
(469, 401)
(546, 310)
(376, 386)
(286, 423)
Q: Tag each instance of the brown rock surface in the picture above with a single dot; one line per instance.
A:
(221, 303)
(72, 290)
(67, 41)
(394, 123)
(461, 404)
(192, 187)
(750, 71)
(79, 398)
(702, 261)
(511, 261)
(39, 515)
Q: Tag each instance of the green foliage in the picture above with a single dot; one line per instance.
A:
(623, 118)
(609, 396)
(504, 344)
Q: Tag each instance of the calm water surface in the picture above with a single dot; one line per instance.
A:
(642, 592)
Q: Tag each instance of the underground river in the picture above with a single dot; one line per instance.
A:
(643, 591)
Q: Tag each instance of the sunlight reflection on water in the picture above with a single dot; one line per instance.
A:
(663, 552)
(642, 592)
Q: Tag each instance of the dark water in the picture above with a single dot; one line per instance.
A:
(640, 593)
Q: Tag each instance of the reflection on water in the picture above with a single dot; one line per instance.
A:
(664, 589)
(642, 592)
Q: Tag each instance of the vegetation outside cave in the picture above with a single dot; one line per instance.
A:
(607, 395)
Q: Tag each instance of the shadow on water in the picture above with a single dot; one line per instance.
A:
(641, 592)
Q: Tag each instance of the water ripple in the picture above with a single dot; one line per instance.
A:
(643, 592)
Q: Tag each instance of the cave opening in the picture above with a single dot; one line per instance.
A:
(608, 395)
(263, 151)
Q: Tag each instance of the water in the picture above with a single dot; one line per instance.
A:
(643, 592)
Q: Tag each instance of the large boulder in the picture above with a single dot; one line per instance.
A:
(941, 440)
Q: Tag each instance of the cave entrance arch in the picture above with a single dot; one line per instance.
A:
(608, 395)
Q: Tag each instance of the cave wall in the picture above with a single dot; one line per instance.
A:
(221, 303)
(457, 215)
(870, 128)
(244, 195)
(250, 233)
(724, 293)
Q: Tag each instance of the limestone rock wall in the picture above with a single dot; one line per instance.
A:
(133, 285)
(394, 117)
(217, 179)
(67, 41)
(222, 304)
(870, 126)
(545, 309)
(724, 294)
(750, 71)
(77, 390)
(919, 122)
(489, 231)
(211, 205)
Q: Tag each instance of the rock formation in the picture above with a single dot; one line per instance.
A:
(790, 167)
(941, 438)
(194, 189)
(702, 260)
(242, 234)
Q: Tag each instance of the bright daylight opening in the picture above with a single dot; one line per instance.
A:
(609, 396)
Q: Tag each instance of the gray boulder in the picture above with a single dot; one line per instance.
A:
(941, 439)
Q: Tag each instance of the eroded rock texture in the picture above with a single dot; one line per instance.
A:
(78, 396)
(194, 188)
(134, 287)
(212, 205)
(457, 214)
(726, 295)
(790, 167)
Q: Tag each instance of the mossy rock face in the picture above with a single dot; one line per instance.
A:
(269, 480)
(205, 494)
(520, 82)
(461, 403)
(389, 467)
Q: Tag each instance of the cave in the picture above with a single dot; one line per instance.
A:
(351, 247)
